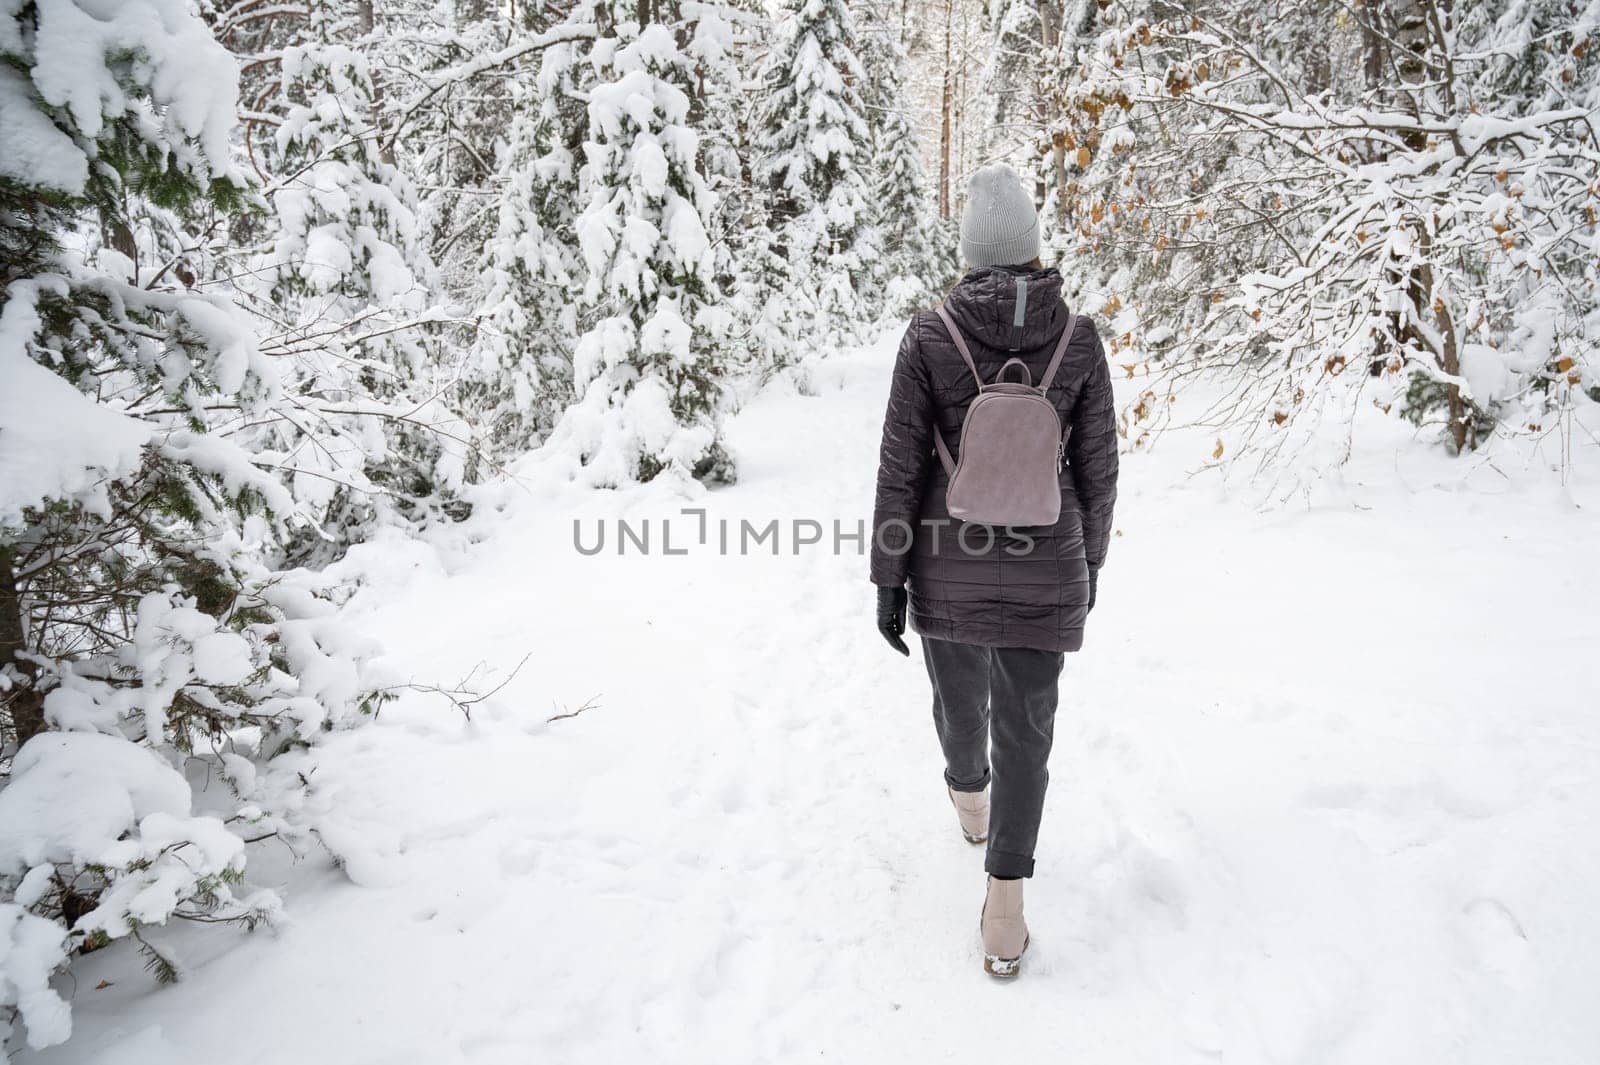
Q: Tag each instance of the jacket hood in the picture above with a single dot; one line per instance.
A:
(984, 304)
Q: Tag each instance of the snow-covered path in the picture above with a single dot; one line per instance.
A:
(1324, 790)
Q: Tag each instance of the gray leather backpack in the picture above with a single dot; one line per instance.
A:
(1012, 445)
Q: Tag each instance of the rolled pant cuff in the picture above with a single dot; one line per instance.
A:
(999, 863)
(957, 785)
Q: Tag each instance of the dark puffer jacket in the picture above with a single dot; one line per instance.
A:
(992, 592)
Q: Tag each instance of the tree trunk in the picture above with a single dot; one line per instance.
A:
(1414, 39)
(23, 705)
(963, 81)
(1050, 17)
(946, 104)
(1411, 35)
(367, 21)
(470, 11)
(118, 236)
(1449, 355)
(1372, 48)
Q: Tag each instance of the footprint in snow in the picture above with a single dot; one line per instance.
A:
(1498, 940)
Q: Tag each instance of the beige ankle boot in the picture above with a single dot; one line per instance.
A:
(1005, 933)
(972, 810)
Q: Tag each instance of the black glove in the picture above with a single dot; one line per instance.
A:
(1094, 578)
(892, 617)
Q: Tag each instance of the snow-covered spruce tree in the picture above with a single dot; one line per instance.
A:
(519, 375)
(649, 362)
(752, 267)
(140, 631)
(1416, 234)
(910, 263)
(920, 260)
(365, 433)
(725, 42)
(813, 143)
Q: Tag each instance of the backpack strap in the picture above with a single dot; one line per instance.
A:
(961, 342)
(1061, 351)
(944, 452)
(966, 355)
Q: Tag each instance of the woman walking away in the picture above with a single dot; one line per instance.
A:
(996, 601)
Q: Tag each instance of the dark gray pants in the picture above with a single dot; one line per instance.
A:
(997, 705)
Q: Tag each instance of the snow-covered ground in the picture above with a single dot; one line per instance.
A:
(1324, 790)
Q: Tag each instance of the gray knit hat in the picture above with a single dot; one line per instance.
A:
(999, 226)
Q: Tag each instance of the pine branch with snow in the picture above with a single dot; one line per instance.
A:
(142, 627)
(366, 434)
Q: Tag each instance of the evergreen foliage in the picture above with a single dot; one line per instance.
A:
(814, 132)
(143, 625)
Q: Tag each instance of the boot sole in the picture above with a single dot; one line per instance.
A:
(1005, 968)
